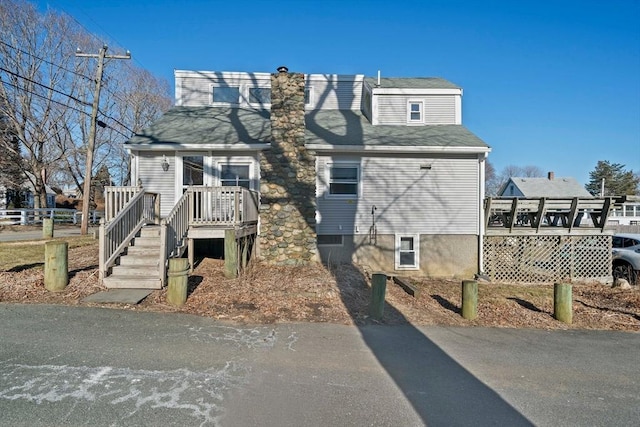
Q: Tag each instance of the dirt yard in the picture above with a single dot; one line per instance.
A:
(267, 294)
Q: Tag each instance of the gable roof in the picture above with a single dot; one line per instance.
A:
(202, 127)
(544, 187)
(411, 83)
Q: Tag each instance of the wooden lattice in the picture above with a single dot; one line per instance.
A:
(547, 258)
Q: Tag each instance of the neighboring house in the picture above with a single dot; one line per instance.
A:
(543, 187)
(625, 212)
(378, 171)
(8, 197)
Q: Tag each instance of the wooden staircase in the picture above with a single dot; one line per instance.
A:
(138, 267)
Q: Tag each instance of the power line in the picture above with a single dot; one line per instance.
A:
(46, 61)
(74, 108)
(45, 86)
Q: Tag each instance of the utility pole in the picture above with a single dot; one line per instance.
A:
(102, 55)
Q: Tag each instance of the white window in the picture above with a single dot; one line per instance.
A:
(235, 175)
(260, 95)
(407, 252)
(415, 113)
(229, 95)
(343, 179)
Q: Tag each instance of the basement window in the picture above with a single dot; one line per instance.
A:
(407, 252)
(330, 240)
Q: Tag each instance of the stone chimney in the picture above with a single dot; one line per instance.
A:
(287, 181)
(550, 176)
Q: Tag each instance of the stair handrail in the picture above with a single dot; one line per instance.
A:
(116, 234)
(173, 231)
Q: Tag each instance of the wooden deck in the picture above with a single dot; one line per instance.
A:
(554, 216)
(201, 213)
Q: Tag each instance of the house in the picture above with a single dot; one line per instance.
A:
(543, 187)
(24, 197)
(347, 168)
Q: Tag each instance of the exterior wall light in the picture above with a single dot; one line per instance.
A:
(165, 163)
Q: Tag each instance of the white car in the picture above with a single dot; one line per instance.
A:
(626, 257)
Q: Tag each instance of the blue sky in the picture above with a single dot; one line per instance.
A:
(552, 84)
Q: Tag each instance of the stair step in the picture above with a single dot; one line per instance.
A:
(140, 259)
(135, 270)
(136, 282)
(147, 241)
(150, 231)
(143, 250)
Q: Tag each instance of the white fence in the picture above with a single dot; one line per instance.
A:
(35, 216)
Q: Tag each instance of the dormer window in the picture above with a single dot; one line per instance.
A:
(229, 95)
(415, 112)
(260, 95)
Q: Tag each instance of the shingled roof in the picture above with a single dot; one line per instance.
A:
(547, 187)
(202, 127)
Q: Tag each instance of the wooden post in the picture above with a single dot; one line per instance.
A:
(245, 252)
(230, 254)
(47, 228)
(177, 283)
(469, 299)
(378, 290)
(562, 302)
(56, 261)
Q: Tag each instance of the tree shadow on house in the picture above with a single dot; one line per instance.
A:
(440, 390)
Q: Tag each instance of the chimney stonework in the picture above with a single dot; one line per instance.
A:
(550, 176)
(287, 181)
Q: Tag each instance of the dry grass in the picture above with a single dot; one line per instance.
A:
(267, 294)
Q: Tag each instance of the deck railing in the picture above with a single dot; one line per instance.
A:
(173, 231)
(117, 233)
(127, 209)
(538, 212)
(231, 206)
(115, 198)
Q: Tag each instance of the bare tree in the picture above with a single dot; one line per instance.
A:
(37, 89)
(46, 95)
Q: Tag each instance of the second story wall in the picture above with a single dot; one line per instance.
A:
(252, 90)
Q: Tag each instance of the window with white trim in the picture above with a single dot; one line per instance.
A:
(407, 252)
(260, 95)
(415, 112)
(343, 179)
(235, 175)
(225, 95)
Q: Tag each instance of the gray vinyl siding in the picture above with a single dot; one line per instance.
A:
(439, 109)
(156, 180)
(328, 91)
(195, 91)
(334, 94)
(442, 200)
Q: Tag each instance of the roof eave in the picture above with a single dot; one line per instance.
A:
(397, 149)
